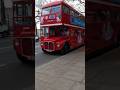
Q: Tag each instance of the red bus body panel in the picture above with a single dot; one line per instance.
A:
(102, 25)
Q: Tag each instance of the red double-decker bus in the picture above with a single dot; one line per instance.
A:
(62, 27)
(24, 29)
(102, 22)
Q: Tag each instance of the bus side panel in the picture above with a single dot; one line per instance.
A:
(76, 37)
(101, 29)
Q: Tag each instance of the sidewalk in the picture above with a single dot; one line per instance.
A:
(103, 72)
(64, 73)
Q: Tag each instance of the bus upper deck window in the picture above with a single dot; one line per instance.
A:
(28, 10)
(46, 11)
(66, 10)
(23, 10)
(55, 9)
(19, 10)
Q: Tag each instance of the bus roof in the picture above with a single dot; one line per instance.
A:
(117, 2)
(112, 1)
(23, 1)
(58, 3)
(52, 4)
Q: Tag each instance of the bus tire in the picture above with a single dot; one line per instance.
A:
(65, 49)
(22, 59)
(44, 51)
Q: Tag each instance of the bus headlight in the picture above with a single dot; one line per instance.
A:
(58, 45)
(16, 43)
(41, 43)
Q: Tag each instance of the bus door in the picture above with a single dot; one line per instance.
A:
(72, 37)
(79, 37)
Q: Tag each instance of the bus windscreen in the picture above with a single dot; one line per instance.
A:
(51, 10)
(46, 11)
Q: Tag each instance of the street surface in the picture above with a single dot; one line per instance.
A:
(103, 72)
(42, 58)
(13, 74)
(66, 72)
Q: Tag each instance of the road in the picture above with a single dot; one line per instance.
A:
(13, 74)
(42, 58)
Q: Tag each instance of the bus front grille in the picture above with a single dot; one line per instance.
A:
(49, 46)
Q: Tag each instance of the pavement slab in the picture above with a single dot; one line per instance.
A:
(64, 73)
(103, 72)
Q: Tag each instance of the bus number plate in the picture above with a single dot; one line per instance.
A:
(52, 17)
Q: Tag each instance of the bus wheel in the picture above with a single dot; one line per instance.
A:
(65, 49)
(22, 59)
(44, 51)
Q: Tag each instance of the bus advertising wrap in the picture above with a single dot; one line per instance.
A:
(76, 21)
